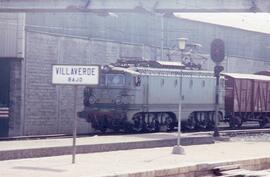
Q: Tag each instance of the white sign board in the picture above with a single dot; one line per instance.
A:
(75, 75)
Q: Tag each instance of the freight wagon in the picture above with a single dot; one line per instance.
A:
(247, 98)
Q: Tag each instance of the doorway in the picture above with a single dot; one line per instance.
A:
(4, 97)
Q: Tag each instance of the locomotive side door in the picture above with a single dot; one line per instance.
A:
(146, 94)
(229, 95)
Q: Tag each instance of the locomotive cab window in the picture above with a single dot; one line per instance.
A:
(115, 80)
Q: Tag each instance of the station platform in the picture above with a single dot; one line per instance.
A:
(197, 161)
(18, 149)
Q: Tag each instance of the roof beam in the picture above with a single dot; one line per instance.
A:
(159, 6)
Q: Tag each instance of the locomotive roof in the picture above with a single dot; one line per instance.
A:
(247, 76)
(160, 71)
(170, 63)
(155, 67)
(171, 72)
(127, 70)
(144, 69)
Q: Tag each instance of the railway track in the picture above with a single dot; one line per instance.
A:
(224, 131)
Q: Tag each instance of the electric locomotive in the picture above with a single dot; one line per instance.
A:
(146, 96)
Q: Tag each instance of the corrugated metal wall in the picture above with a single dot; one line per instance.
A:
(12, 35)
(146, 29)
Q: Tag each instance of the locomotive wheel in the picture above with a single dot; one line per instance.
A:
(139, 126)
(203, 122)
(235, 122)
(103, 129)
(138, 129)
(116, 125)
(94, 122)
(157, 126)
(190, 124)
(169, 123)
(103, 126)
(128, 127)
(152, 126)
(211, 124)
(264, 121)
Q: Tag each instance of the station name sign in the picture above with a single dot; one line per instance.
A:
(75, 74)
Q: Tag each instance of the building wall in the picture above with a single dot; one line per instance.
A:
(15, 120)
(147, 29)
(12, 35)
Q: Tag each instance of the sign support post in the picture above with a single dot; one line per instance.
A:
(74, 125)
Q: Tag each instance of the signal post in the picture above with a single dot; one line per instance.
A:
(217, 55)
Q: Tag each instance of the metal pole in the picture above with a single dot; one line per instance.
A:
(216, 131)
(143, 51)
(162, 36)
(179, 110)
(74, 125)
(178, 149)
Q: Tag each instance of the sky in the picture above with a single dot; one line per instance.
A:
(249, 21)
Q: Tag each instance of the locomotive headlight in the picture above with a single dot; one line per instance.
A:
(92, 99)
(106, 68)
(125, 99)
(118, 100)
(121, 100)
